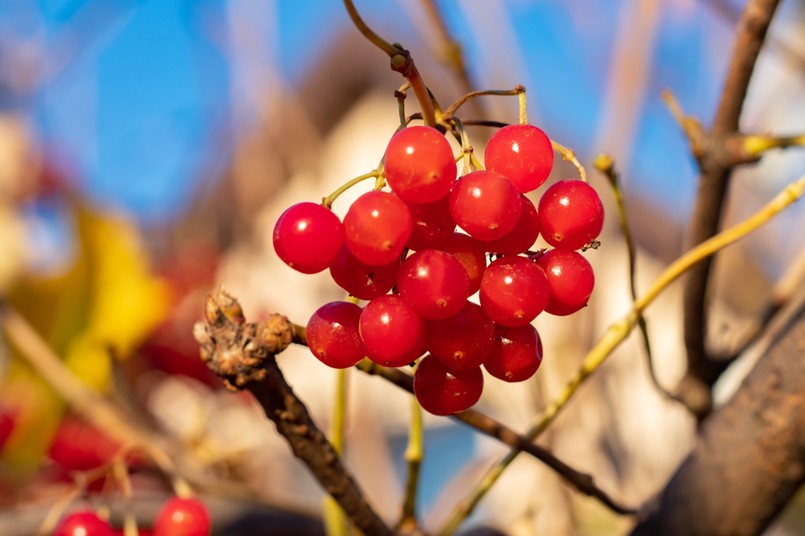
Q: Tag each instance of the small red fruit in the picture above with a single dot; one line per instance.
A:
(443, 392)
(571, 214)
(419, 164)
(307, 237)
(183, 517)
(83, 523)
(332, 334)
(522, 153)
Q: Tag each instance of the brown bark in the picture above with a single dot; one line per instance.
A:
(749, 459)
(715, 164)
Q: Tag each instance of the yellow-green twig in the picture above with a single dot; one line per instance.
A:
(413, 457)
(328, 201)
(756, 145)
(569, 156)
(334, 519)
(618, 332)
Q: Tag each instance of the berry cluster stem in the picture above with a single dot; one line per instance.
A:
(330, 199)
(618, 332)
(569, 156)
(334, 519)
(401, 61)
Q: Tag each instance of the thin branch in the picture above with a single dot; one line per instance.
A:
(606, 165)
(713, 181)
(582, 482)
(401, 62)
(243, 354)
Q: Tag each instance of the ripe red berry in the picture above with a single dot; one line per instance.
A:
(524, 234)
(332, 334)
(183, 517)
(432, 225)
(433, 283)
(79, 446)
(471, 254)
(522, 153)
(443, 392)
(377, 226)
(83, 523)
(570, 278)
(307, 237)
(393, 334)
(361, 280)
(419, 164)
(516, 354)
(571, 214)
(462, 341)
(514, 290)
(485, 204)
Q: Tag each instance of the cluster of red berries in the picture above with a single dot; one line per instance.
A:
(419, 302)
(178, 517)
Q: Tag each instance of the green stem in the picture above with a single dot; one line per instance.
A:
(413, 456)
(328, 201)
(606, 165)
(522, 105)
(569, 156)
(757, 145)
(618, 331)
(517, 90)
(334, 519)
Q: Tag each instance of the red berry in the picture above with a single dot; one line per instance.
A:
(462, 341)
(432, 225)
(183, 517)
(361, 280)
(443, 392)
(332, 334)
(571, 214)
(419, 164)
(522, 153)
(83, 523)
(485, 204)
(393, 334)
(570, 278)
(433, 283)
(524, 234)
(516, 355)
(79, 446)
(514, 290)
(307, 237)
(377, 226)
(471, 254)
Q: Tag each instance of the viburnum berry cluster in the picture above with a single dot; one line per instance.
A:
(399, 250)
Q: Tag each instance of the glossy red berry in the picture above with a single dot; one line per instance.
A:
(443, 392)
(393, 334)
(332, 334)
(83, 523)
(471, 254)
(524, 234)
(79, 446)
(570, 278)
(377, 226)
(462, 341)
(514, 290)
(571, 214)
(432, 225)
(361, 280)
(433, 283)
(308, 237)
(485, 204)
(516, 354)
(183, 517)
(419, 164)
(522, 153)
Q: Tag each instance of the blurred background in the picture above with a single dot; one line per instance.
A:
(147, 148)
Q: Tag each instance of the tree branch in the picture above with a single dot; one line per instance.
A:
(715, 171)
(243, 354)
(747, 463)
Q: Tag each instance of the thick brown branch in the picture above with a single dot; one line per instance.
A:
(583, 482)
(243, 354)
(715, 166)
(748, 462)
